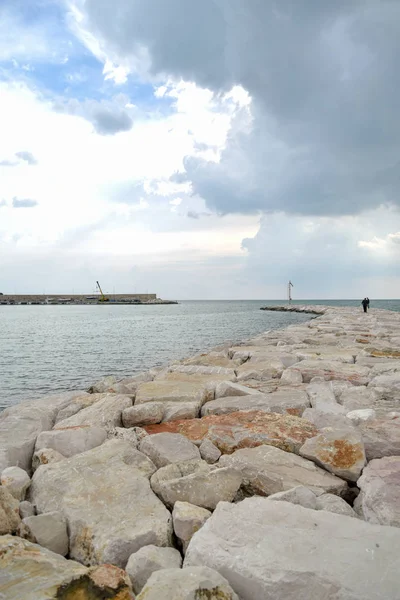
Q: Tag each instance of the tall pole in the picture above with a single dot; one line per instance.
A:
(290, 285)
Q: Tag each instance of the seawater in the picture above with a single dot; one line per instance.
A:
(48, 349)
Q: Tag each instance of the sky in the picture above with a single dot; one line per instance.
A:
(207, 149)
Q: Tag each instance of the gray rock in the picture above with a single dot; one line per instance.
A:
(359, 398)
(26, 509)
(106, 413)
(331, 370)
(267, 470)
(174, 411)
(48, 530)
(323, 419)
(128, 435)
(291, 377)
(143, 563)
(359, 416)
(378, 501)
(177, 470)
(144, 414)
(298, 495)
(381, 437)
(209, 452)
(339, 451)
(202, 488)
(9, 512)
(282, 401)
(106, 497)
(30, 572)
(78, 404)
(167, 448)
(280, 550)
(334, 504)
(71, 440)
(16, 481)
(187, 584)
(187, 519)
(172, 391)
(45, 456)
(228, 388)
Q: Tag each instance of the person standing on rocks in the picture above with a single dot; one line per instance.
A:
(365, 304)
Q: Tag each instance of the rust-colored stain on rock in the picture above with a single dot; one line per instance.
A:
(342, 454)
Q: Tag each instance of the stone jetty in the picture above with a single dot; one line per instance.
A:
(266, 470)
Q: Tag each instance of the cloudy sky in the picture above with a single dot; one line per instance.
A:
(200, 148)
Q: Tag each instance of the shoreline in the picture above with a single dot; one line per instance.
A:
(216, 444)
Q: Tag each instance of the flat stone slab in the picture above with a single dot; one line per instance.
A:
(281, 550)
(106, 413)
(331, 370)
(267, 470)
(163, 390)
(243, 430)
(166, 448)
(106, 497)
(292, 402)
(69, 441)
(379, 500)
(381, 437)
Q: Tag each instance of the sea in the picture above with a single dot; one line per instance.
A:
(50, 349)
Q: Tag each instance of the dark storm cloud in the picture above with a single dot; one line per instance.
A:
(323, 77)
(27, 157)
(108, 122)
(24, 203)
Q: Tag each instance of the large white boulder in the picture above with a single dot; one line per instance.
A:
(106, 497)
(267, 470)
(16, 481)
(281, 550)
(71, 440)
(193, 583)
(379, 499)
(149, 559)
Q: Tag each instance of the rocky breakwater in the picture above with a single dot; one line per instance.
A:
(266, 470)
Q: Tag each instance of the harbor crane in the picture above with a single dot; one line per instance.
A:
(103, 298)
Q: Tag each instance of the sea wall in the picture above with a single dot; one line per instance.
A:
(268, 469)
(78, 297)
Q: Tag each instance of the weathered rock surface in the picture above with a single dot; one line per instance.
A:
(172, 391)
(292, 402)
(26, 509)
(177, 470)
(49, 530)
(229, 388)
(187, 519)
(379, 500)
(378, 399)
(381, 437)
(16, 481)
(69, 441)
(201, 488)
(260, 371)
(193, 583)
(106, 413)
(305, 553)
(323, 399)
(267, 470)
(243, 429)
(339, 451)
(45, 456)
(106, 497)
(145, 414)
(334, 504)
(166, 448)
(77, 404)
(29, 572)
(329, 370)
(359, 416)
(297, 495)
(173, 411)
(209, 452)
(143, 563)
(9, 512)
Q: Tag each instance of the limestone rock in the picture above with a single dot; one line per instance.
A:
(381, 437)
(177, 470)
(334, 504)
(45, 456)
(106, 413)
(16, 481)
(69, 441)
(29, 572)
(297, 495)
(378, 501)
(378, 399)
(209, 452)
(291, 377)
(228, 388)
(322, 398)
(145, 414)
(173, 411)
(105, 495)
(187, 584)
(48, 530)
(330, 370)
(26, 509)
(102, 386)
(9, 512)
(292, 402)
(323, 419)
(143, 563)
(201, 488)
(166, 448)
(359, 416)
(130, 435)
(187, 519)
(339, 451)
(329, 353)
(281, 550)
(260, 371)
(78, 404)
(243, 429)
(267, 470)
(171, 391)
(390, 382)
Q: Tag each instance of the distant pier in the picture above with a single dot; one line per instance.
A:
(81, 299)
